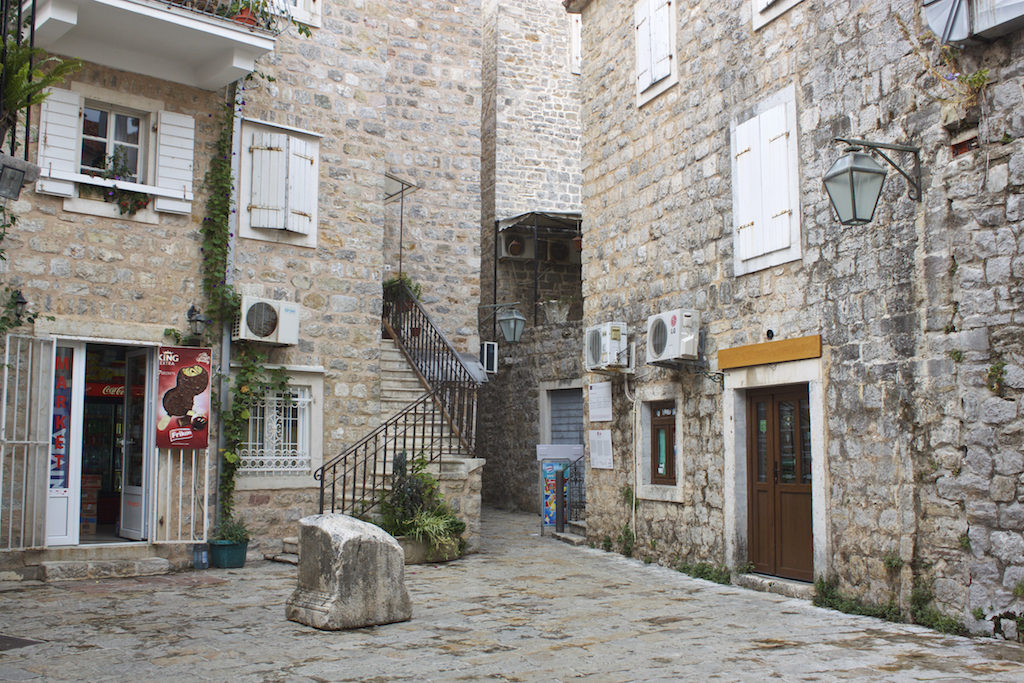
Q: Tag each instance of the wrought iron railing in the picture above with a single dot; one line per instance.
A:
(441, 422)
(577, 491)
(264, 16)
(355, 481)
(435, 360)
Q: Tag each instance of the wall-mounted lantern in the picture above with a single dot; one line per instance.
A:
(510, 321)
(854, 182)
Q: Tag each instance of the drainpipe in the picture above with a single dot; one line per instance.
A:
(229, 276)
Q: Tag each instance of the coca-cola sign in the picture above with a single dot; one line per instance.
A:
(111, 390)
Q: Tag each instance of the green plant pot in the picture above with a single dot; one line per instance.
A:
(227, 554)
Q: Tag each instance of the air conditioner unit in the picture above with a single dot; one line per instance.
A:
(673, 336)
(606, 346)
(515, 248)
(563, 251)
(489, 357)
(267, 321)
(958, 21)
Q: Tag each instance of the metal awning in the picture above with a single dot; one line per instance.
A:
(546, 222)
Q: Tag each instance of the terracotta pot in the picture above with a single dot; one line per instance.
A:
(515, 247)
(245, 16)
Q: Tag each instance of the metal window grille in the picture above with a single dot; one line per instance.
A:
(278, 439)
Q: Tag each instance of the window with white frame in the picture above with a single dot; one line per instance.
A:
(278, 184)
(765, 185)
(83, 131)
(304, 11)
(764, 11)
(656, 67)
(278, 439)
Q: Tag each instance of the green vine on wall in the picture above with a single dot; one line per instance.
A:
(221, 299)
(958, 88)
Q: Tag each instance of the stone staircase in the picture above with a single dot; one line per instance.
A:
(401, 386)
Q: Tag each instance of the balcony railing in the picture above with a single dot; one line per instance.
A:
(264, 16)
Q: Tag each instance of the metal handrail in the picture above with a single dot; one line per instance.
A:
(436, 361)
(354, 480)
(262, 16)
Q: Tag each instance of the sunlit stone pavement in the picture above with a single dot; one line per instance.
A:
(526, 608)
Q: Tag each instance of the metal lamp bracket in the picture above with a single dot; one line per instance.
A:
(915, 190)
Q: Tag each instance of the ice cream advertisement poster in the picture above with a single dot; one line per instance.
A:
(183, 397)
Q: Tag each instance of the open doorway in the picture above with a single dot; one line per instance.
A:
(98, 491)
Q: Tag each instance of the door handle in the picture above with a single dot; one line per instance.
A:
(776, 473)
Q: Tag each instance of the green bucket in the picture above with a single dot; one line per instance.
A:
(228, 554)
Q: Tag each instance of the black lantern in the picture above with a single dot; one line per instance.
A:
(20, 304)
(854, 182)
(195, 325)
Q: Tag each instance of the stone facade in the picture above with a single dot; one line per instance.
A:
(390, 87)
(920, 382)
(530, 162)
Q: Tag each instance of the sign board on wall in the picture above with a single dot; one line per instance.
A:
(600, 449)
(557, 451)
(599, 396)
(183, 397)
(61, 419)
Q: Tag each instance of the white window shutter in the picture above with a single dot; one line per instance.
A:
(777, 212)
(661, 42)
(175, 148)
(268, 180)
(59, 126)
(747, 189)
(644, 67)
(302, 185)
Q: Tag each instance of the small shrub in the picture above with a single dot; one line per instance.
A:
(957, 355)
(826, 594)
(626, 540)
(233, 530)
(965, 542)
(626, 494)
(703, 570)
(925, 614)
(1018, 590)
(745, 568)
(648, 559)
(415, 507)
(606, 544)
(978, 614)
(893, 562)
(996, 376)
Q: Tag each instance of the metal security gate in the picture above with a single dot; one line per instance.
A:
(182, 496)
(25, 433)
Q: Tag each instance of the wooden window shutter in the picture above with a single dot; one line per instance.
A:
(302, 185)
(644, 66)
(59, 127)
(268, 180)
(661, 43)
(175, 149)
(776, 210)
(746, 189)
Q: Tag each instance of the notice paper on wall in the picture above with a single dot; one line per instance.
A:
(600, 402)
(601, 449)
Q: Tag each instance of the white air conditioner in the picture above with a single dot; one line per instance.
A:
(957, 21)
(673, 336)
(606, 346)
(267, 321)
(489, 357)
(515, 248)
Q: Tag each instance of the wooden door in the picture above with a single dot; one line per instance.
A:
(779, 476)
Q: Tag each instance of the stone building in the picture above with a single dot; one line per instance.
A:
(375, 90)
(530, 251)
(853, 408)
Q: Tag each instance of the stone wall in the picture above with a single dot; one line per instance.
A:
(915, 309)
(433, 104)
(530, 162)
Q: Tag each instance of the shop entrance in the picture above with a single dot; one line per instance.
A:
(103, 443)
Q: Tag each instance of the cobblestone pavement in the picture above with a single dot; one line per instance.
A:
(526, 608)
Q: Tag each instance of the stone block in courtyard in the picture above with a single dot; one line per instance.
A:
(351, 574)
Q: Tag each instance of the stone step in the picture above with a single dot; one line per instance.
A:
(74, 570)
(290, 545)
(571, 539)
(286, 558)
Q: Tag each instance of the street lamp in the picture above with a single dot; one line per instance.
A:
(854, 181)
(195, 325)
(20, 304)
(511, 322)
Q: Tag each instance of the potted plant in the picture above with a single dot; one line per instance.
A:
(557, 310)
(414, 512)
(229, 545)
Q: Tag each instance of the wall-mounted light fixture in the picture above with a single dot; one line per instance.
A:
(15, 173)
(196, 322)
(854, 182)
(20, 304)
(510, 321)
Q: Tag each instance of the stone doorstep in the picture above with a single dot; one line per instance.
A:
(570, 538)
(774, 584)
(73, 570)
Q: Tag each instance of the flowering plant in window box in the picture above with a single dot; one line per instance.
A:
(128, 201)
